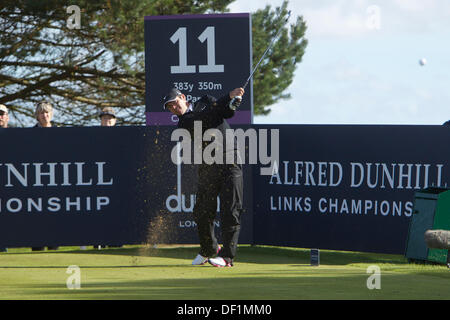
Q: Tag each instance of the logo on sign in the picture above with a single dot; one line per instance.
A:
(57, 178)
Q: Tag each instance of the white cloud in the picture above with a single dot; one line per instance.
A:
(342, 18)
(352, 74)
(330, 19)
(333, 21)
(416, 5)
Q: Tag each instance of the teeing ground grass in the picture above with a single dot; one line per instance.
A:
(260, 272)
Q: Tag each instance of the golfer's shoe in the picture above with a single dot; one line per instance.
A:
(199, 260)
(220, 262)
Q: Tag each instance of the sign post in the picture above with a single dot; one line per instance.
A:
(197, 54)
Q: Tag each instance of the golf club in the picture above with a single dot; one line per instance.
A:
(236, 101)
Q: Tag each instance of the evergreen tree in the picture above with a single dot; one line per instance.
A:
(276, 71)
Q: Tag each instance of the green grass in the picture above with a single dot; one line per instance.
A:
(260, 272)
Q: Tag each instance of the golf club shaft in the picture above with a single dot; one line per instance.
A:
(265, 52)
(236, 101)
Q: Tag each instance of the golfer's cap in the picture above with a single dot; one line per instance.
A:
(108, 111)
(171, 96)
(3, 108)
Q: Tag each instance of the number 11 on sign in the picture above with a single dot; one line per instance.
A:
(207, 35)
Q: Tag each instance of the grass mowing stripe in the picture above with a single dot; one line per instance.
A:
(261, 272)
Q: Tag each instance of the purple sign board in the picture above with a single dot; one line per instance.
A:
(197, 54)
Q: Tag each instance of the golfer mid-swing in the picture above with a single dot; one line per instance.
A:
(224, 180)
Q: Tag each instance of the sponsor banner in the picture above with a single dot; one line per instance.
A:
(348, 187)
(69, 186)
(171, 193)
(108, 186)
(328, 187)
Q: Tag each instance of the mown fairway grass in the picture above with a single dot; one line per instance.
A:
(140, 272)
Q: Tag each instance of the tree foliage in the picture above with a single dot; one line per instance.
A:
(276, 71)
(102, 64)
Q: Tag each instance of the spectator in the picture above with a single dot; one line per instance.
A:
(43, 114)
(108, 117)
(4, 118)
(447, 123)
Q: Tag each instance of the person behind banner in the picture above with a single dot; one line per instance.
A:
(4, 116)
(447, 123)
(4, 119)
(108, 117)
(43, 115)
(223, 180)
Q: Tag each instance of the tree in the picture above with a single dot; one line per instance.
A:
(102, 63)
(276, 71)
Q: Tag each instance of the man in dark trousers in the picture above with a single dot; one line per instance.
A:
(224, 180)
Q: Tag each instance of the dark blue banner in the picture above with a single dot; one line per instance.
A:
(348, 187)
(108, 186)
(69, 186)
(337, 187)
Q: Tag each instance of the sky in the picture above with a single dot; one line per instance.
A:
(361, 65)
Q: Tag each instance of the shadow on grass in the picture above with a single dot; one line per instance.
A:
(252, 254)
(270, 286)
(99, 267)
